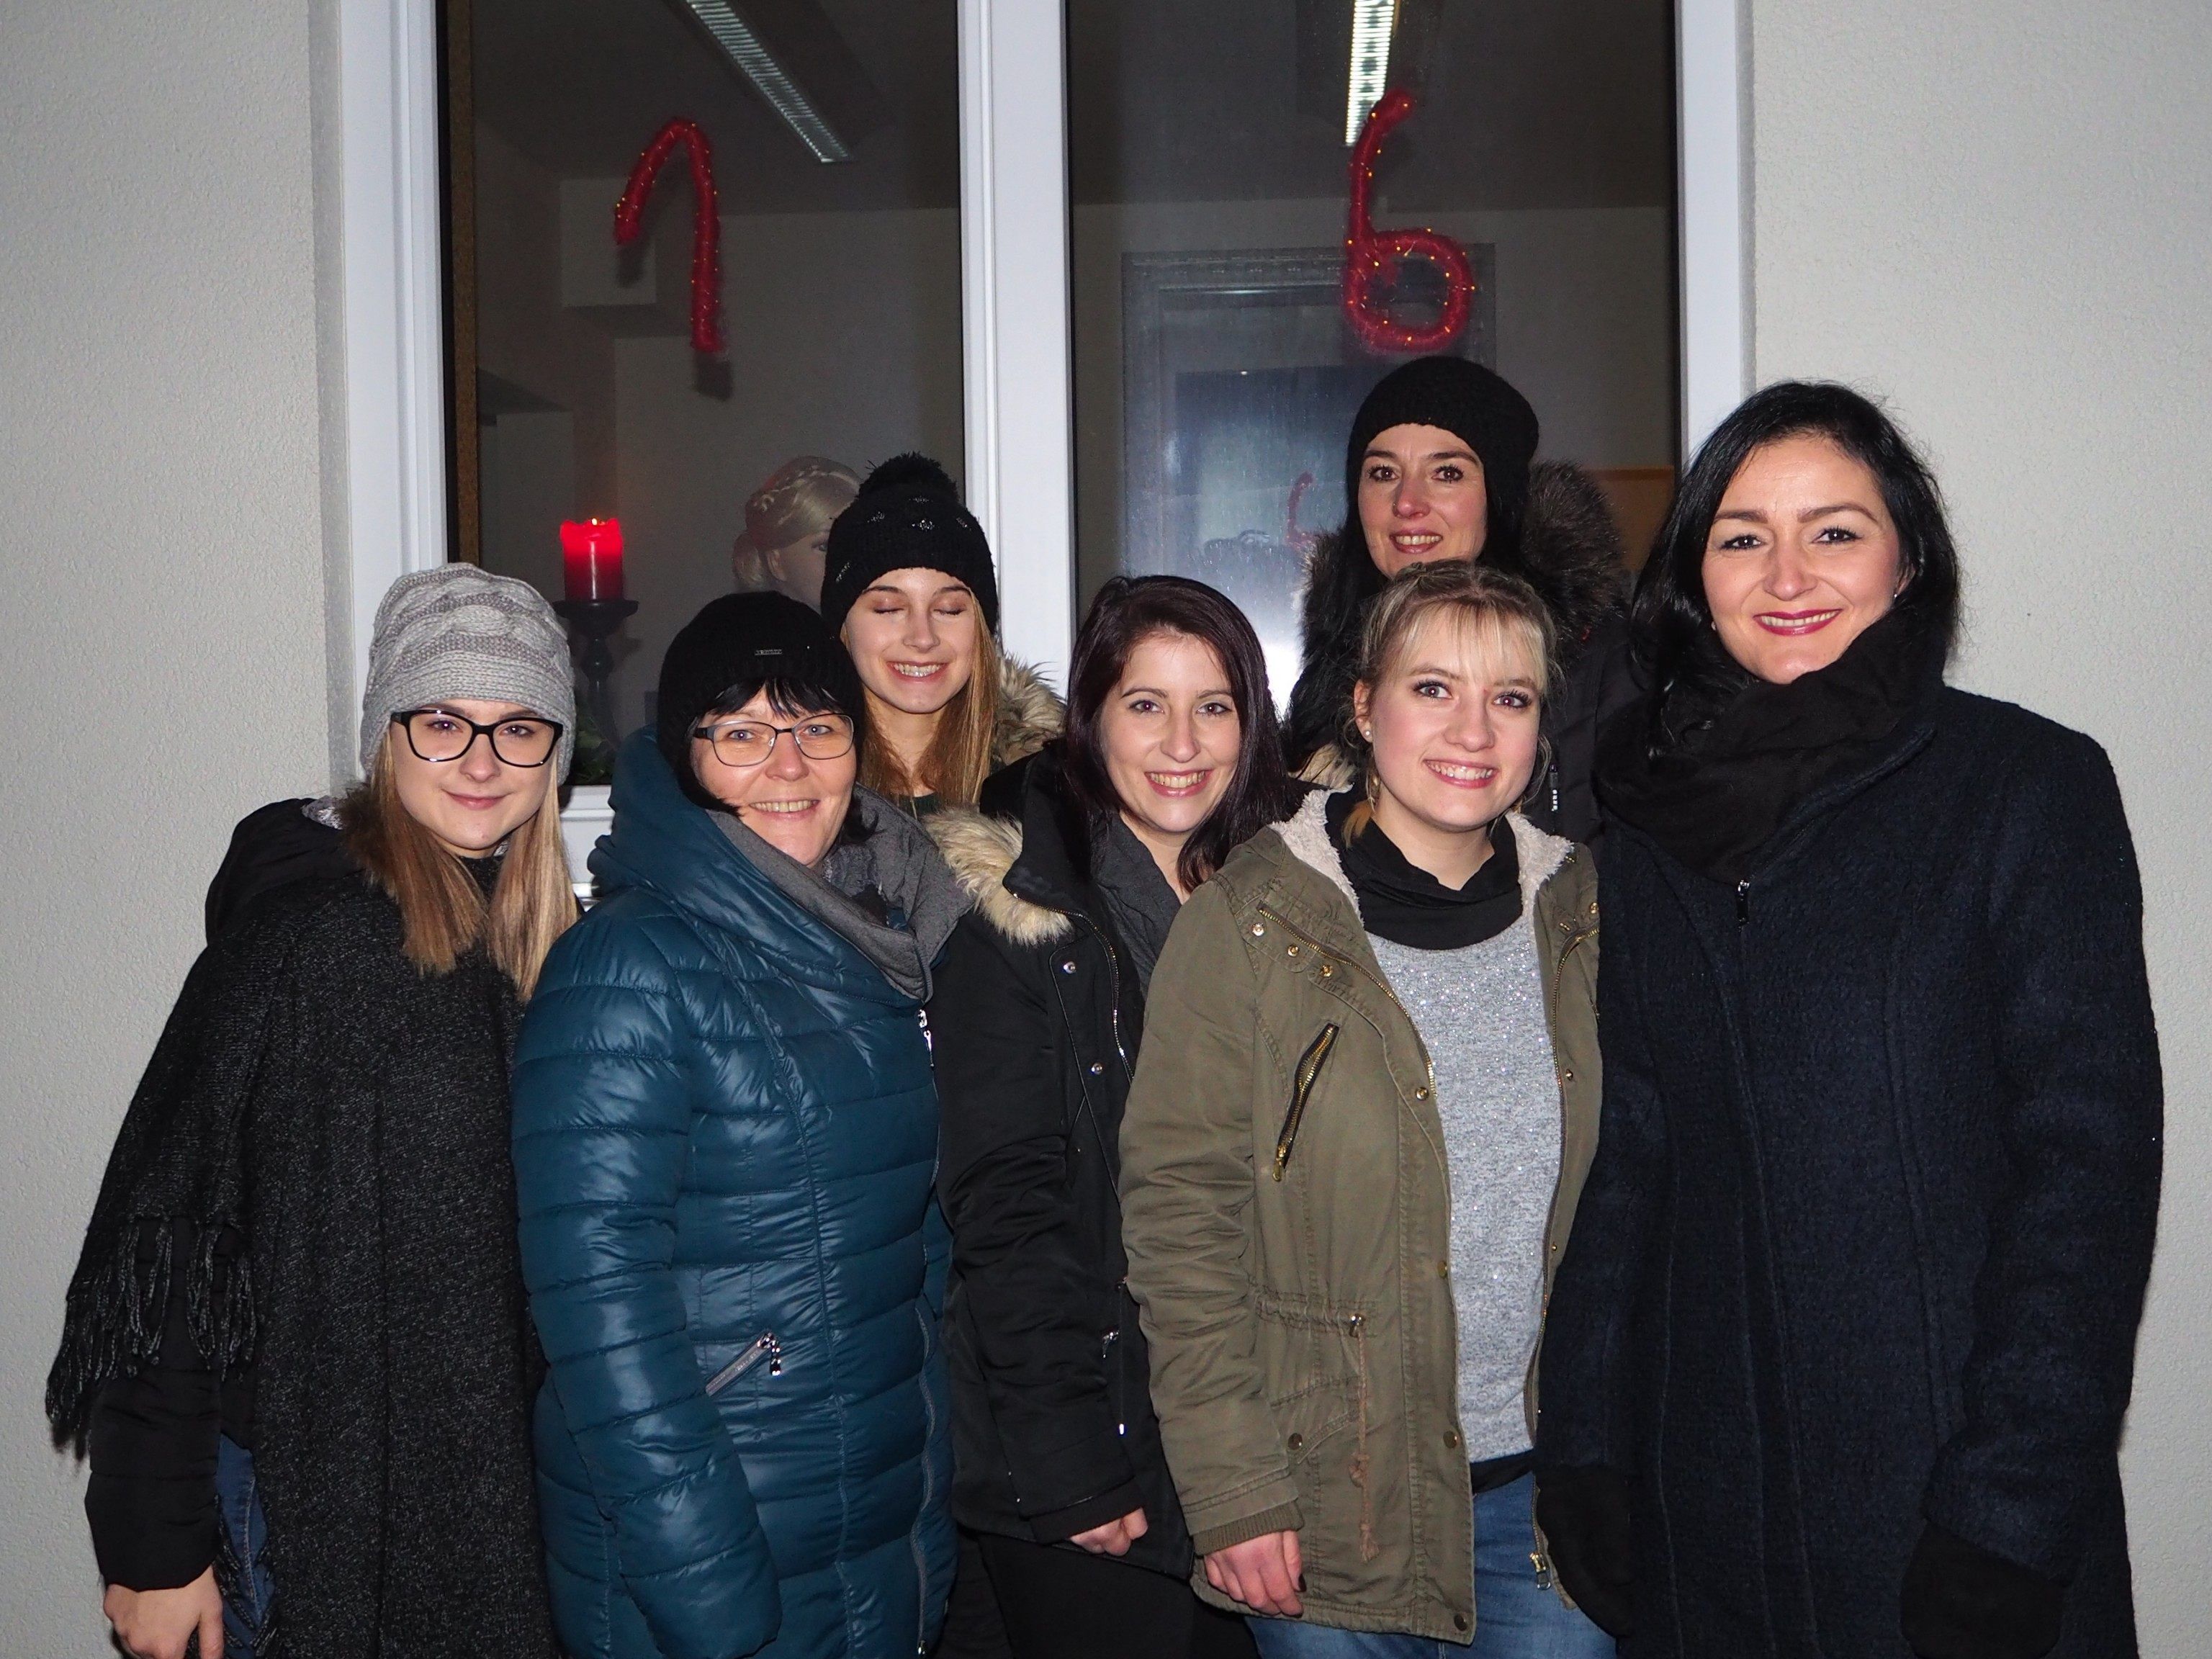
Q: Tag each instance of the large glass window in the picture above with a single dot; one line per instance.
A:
(1216, 370)
(833, 126)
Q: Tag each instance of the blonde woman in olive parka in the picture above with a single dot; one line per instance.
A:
(1366, 1102)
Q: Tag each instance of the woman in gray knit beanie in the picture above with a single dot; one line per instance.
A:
(296, 1342)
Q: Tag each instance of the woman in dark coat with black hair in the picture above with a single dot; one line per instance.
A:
(1440, 465)
(1838, 1356)
(1171, 761)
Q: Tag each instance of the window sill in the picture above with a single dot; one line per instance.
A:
(588, 815)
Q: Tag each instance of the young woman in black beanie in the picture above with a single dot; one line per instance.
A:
(1837, 1358)
(910, 590)
(1440, 465)
(296, 1347)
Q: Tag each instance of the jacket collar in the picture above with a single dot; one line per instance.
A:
(1020, 876)
(1305, 834)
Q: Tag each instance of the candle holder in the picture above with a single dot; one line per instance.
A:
(591, 623)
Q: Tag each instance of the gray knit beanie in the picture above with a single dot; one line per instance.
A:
(457, 631)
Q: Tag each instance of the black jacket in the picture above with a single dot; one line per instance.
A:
(1036, 1020)
(343, 1118)
(1865, 1242)
(1569, 552)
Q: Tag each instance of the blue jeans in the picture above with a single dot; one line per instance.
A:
(1514, 1616)
(247, 1587)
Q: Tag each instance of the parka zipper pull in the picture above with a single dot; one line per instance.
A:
(1743, 903)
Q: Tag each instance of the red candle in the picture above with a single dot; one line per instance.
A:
(591, 558)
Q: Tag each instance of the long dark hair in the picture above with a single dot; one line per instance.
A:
(1129, 611)
(1676, 645)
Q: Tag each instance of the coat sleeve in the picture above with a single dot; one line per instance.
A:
(1033, 1313)
(1587, 1372)
(1186, 1194)
(2061, 1286)
(602, 1133)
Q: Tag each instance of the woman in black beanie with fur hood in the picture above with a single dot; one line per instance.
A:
(1440, 465)
(910, 590)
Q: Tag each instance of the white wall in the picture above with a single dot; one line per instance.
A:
(162, 559)
(2001, 218)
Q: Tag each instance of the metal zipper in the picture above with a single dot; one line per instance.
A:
(1372, 978)
(763, 1346)
(1302, 1084)
(1113, 962)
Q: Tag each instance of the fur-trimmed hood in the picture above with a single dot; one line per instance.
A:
(1305, 833)
(980, 850)
(1569, 552)
(1030, 714)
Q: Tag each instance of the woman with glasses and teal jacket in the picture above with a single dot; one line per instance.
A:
(725, 1136)
(296, 1348)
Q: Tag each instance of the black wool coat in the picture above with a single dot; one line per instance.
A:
(1036, 1022)
(1866, 1239)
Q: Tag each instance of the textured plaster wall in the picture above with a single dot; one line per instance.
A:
(2000, 219)
(162, 557)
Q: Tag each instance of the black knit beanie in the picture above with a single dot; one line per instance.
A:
(734, 646)
(1469, 401)
(907, 516)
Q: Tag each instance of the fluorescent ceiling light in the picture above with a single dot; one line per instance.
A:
(736, 37)
(1371, 24)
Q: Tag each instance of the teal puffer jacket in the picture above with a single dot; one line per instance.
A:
(725, 1133)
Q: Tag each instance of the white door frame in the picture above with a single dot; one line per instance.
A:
(1014, 289)
(393, 304)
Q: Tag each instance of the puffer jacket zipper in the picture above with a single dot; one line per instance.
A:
(763, 1346)
(928, 1490)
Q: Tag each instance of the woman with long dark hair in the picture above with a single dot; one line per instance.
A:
(1837, 1358)
(1440, 466)
(296, 1340)
(724, 1132)
(1351, 1157)
(1171, 761)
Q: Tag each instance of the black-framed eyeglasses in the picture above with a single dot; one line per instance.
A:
(439, 734)
(750, 743)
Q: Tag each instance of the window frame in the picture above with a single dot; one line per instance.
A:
(1017, 326)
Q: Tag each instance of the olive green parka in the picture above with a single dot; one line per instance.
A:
(1287, 1212)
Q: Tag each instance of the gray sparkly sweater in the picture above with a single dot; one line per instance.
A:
(1479, 1010)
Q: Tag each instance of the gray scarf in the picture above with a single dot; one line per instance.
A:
(1138, 898)
(892, 870)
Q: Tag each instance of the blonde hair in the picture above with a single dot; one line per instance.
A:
(959, 755)
(1500, 609)
(443, 913)
(798, 499)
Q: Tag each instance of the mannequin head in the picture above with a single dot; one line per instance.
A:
(788, 527)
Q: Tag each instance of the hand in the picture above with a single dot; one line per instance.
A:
(1264, 1573)
(1962, 1603)
(160, 1624)
(1584, 1515)
(1116, 1536)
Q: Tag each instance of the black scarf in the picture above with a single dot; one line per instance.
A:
(1719, 796)
(1407, 905)
(348, 1115)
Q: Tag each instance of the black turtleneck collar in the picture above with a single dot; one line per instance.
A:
(1403, 903)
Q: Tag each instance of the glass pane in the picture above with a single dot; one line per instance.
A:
(1216, 369)
(833, 129)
